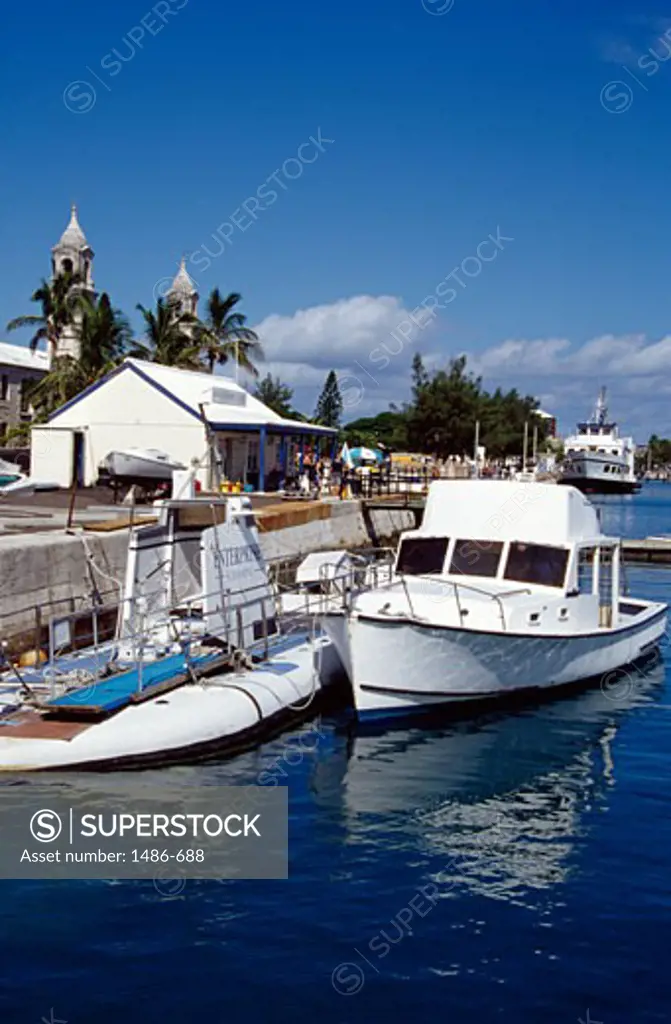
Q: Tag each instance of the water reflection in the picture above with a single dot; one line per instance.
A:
(494, 806)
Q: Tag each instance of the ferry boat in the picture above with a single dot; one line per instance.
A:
(597, 459)
(505, 588)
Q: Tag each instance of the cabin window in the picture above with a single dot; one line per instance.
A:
(476, 557)
(4, 387)
(537, 563)
(586, 570)
(422, 555)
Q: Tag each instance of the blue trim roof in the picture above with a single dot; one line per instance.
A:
(270, 427)
(114, 373)
(87, 391)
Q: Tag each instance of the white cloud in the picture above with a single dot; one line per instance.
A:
(330, 334)
(370, 340)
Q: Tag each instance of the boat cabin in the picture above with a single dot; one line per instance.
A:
(506, 538)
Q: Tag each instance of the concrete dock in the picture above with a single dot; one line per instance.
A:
(47, 571)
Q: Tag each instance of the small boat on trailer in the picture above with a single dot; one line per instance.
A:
(202, 664)
(137, 465)
(505, 589)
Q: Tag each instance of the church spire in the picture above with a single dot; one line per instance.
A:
(72, 254)
(183, 290)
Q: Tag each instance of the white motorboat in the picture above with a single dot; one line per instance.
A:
(202, 664)
(505, 588)
(597, 460)
(141, 464)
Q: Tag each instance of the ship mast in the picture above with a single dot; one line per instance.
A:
(601, 410)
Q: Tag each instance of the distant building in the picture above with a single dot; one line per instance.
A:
(549, 420)
(19, 368)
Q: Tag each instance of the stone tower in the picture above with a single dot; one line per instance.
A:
(72, 254)
(183, 292)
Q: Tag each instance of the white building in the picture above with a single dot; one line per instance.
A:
(147, 405)
(19, 369)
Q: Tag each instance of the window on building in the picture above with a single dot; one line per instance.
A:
(26, 385)
(4, 387)
(537, 563)
(476, 557)
(3, 431)
(422, 555)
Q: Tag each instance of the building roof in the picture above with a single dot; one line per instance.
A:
(73, 237)
(21, 356)
(183, 284)
(227, 405)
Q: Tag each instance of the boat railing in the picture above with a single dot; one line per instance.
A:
(456, 590)
(149, 629)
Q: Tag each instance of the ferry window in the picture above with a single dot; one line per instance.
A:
(614, 451)
(537, 563)
(476, 557)
(422, 555)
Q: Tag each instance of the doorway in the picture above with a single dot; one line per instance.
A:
(78, 458)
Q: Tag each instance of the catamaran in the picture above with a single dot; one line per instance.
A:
(202, 663)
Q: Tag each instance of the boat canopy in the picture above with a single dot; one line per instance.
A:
(504, 510)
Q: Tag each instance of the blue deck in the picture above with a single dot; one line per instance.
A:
(113, 693)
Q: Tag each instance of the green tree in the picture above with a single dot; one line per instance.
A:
(329, 404)
(224, 335)
(170, 337)
(58, 302)
(388, 429)
(445, 406)
(276, 395)
(103, 334)
(658, 452)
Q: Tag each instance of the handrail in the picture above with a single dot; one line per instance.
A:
(456, 587)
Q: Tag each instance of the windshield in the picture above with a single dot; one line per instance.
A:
(420, 556)
(476, 557)
(537, 563)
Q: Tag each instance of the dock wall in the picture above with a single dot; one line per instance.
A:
(52, 571)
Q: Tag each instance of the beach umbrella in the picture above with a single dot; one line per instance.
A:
(366, 455)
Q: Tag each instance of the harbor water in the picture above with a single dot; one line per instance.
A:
(512, 865)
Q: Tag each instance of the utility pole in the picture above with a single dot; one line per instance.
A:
(475, 448)
(525, 445)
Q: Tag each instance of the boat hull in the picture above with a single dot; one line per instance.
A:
(599, 474)
(131, 466)
(403, 665)
(216, 717)
(593, 485)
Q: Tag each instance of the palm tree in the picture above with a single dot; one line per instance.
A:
(104, 335)
(223, 335)
(58, 304)
(169, 336)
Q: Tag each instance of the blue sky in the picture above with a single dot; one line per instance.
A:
(437, 124)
